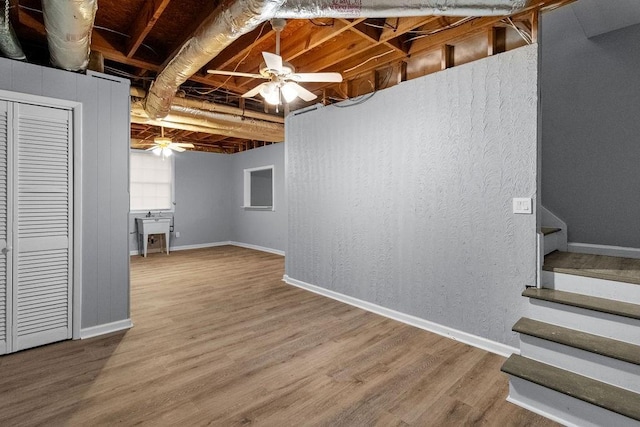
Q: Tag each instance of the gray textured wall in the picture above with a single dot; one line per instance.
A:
(590, 92)
(203, 200)
(405, 200)
(105, 196)
(259, 227)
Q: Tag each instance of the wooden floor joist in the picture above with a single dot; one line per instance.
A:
(219, 339)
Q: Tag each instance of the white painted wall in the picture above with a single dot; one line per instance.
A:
(405, 200)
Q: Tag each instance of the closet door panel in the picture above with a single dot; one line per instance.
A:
(5, 285)
(42, 211)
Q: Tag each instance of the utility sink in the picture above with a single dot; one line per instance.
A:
(152, 225)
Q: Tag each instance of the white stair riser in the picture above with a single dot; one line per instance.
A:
(619, 291)
(551, 243)
(562, 408)
(603, 324)
(602, 368)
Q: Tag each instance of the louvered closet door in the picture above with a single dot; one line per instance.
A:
(5, 283)
(42, 217)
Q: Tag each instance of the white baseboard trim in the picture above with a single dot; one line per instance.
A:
(538, 411)
(107, 328)
(199, 246)
(465, 337)
(257, 248)
(188, 247)
(212, 245)
(589, 248)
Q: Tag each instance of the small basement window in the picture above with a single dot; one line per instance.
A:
(259, 188)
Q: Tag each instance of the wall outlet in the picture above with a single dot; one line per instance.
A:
(177, 234)
(522, 205)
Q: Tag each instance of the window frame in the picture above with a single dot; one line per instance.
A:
(172, 202)
(247, 188)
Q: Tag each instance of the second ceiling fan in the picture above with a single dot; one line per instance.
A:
(283, 79)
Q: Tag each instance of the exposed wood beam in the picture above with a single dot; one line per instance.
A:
(375, 35)
(496, 40)
(534, 25)
(447, 56)
(114, 53)
(144, 22)
(209, 8)
(468, 29)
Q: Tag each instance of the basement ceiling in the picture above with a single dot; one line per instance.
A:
(135, 39)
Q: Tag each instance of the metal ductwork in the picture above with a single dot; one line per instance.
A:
(219, 30)
(9, 44)
(232, 20)
(69, 24)
(310, 9)
(216, 123)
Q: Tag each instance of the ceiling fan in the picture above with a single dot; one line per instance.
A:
(164, 146)
(282, 76)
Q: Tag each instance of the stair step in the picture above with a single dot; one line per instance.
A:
(618, 400)
(595, 266)
(603, 305)
(608, 347)
(549, 230)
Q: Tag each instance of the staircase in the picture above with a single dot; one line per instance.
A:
(580, 345)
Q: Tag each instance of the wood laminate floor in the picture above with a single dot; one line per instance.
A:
(219, 339)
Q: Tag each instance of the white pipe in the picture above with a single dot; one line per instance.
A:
(69, 24)
(309, 9)
(231, 21)
(9, 44)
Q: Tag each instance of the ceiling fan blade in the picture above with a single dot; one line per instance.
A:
(273, 61)
(178, 149)
(183, 144)
(302, 92)
(153, 147)
(317, 77)
(253, 92)
(235, 74)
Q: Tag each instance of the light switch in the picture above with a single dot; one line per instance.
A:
(522, 205)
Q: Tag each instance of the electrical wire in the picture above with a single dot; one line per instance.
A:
(322, 24)
(422, 34)
(368, 60)
(207, 92)
(364, 98)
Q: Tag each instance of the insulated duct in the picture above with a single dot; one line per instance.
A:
(309, 9)
(69, 24)
(9, 44)
(197, 120)
(232, 20)
(219, 30)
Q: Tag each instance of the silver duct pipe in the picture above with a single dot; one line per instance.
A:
(69, 24)
(242, 16)
(9, 44)
(309, 9)
(195, 119)
(219, 30)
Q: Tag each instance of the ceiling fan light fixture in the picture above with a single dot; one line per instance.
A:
(289, 92)
(271, 93)
(162, 140)
(157, 151)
